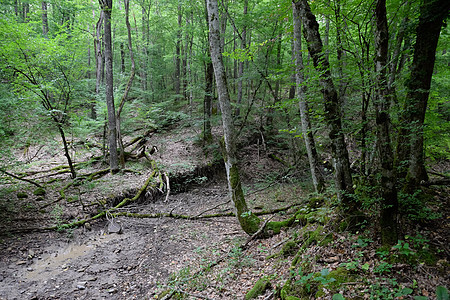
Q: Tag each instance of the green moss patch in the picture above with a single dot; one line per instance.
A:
(258, 289)
(39, 192)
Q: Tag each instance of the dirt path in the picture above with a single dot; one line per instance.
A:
(133, 265)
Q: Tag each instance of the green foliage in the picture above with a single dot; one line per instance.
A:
(442, 293)
(258, 289)
(415, 207)
(386, 288)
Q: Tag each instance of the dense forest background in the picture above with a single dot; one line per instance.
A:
(357, 91)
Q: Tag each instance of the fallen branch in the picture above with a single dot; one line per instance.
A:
(436, 182)
(439, 174)
(212, 208)
(22, 179)
(256, 234)
(177, 290)
(122, 203)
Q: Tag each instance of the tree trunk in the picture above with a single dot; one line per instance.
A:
(98, 53)
(177, 74)
(248, 221)
(145, 44)
(106, 6)
(44, 18)
(432, 15)
(343, 178)
(389, 205)
(66, 149)
(316, 173)
(241, 64)
(129, 84)
(122, 59)
(207, 102)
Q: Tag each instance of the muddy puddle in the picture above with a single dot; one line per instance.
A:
(135, 264)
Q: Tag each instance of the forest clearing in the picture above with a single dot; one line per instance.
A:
(224, 149)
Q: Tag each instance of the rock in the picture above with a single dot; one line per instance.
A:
(91, 278)
(21, 262)
(29, 269)
(112, 291)
(81, 287)
(114, 227)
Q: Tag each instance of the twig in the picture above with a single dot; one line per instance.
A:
(23, 179)
(167, 187)
(282, 242)
(212, 208)
(439, 174)
(193, 295)
(256, 234)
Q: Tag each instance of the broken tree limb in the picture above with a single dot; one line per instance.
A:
(122, 203)
(256, 234)
(19, 178)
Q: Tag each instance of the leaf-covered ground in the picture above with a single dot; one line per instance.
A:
(167, 257)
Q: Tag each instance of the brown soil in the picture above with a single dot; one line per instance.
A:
(89, 263)
(200, 259)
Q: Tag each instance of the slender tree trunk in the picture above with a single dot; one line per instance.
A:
(16, 8)
(106, 6)
(432, 15)
(145, 45)
(98, 60)
(129, 84)
(66, 149)
(248, 221)
(207, 102)
(177, 75)
(316, 173)
(122, 59)
(389, 206)
(44, 18)
(209, 77)
(241, 63)
(343, 178)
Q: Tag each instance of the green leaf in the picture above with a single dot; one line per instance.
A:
(420, 298)
(441, 293)
(324, 272)
(407, 291)
(365, 267)
(338, 297)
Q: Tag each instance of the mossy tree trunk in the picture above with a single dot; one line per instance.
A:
(389, 206)
(432, 15)
(248, 221)
(342, 176)
(106, 6)
(310, 144)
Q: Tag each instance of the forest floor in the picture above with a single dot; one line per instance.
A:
(203, 258)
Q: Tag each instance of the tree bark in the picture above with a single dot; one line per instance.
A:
(44, 18)
(316, 173)
(389, 206)
(177, 75)
(106, 6)
(98, 53)
(343, 178)
(241, 63)
(248, 221)
(432, 15)
(129, 84)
